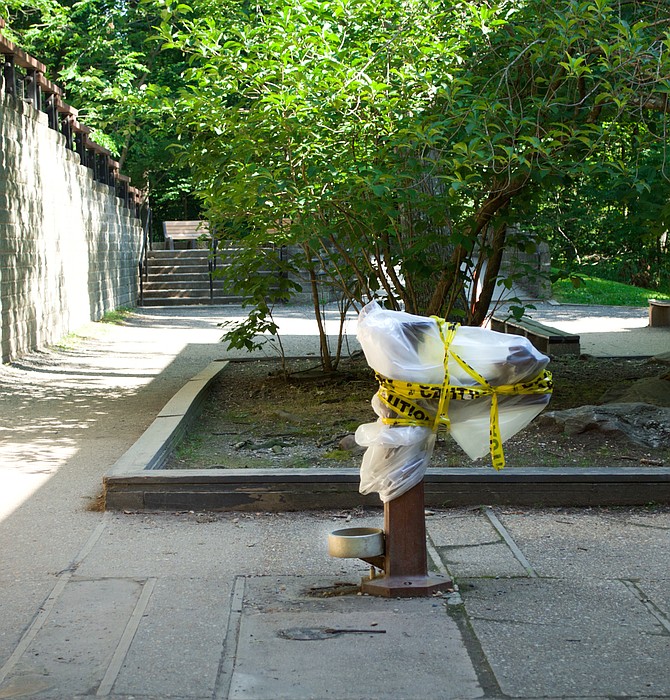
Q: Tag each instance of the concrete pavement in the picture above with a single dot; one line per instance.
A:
(606, 331)
(553, 603)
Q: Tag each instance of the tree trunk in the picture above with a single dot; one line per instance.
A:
(481, 306)
(326, 360)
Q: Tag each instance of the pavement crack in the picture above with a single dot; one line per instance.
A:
(511, 621)
(650, 527)
(648, 603)
(231, 640)
(516, 551)
(434, 554)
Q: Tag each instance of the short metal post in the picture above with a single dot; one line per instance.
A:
(80, 146)
(52, 111)
(32, 89)
(9, 74)
(405, 556)
(66, 130)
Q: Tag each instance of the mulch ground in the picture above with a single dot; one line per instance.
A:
(257, 417)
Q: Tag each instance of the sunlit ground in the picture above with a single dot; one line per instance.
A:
(599, 324)
(298, 334)
(22, 475)
(50, 400)
(41, 427)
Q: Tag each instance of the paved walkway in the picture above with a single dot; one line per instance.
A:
(553, 603)
(606, 331)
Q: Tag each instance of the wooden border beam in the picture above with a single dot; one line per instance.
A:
(47, 86)
(64, 108)
(21, 58)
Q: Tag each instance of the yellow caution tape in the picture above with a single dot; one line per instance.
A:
(404, 397)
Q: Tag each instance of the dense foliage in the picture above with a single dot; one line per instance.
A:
(394, 141)
(107, 57)
(391, 143)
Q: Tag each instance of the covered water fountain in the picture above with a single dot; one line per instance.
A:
(480, 385)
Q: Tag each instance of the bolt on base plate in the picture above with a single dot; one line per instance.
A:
(406, 586)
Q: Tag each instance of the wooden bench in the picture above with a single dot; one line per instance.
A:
(659, 313)
(189, 231)
(550, 341)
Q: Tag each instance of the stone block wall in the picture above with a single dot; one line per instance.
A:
(69, 249)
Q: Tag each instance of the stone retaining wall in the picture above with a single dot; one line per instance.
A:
(68, 247)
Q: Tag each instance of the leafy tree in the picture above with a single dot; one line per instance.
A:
(390, 143)
(105, 54)
(395, 140)
(616, 232)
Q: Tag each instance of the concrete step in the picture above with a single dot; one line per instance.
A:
(180, 275)
(221, 249)
(178, 259)
(177, 269)
(192, 301)
(177, 293)
(166, 282)
(176, 254)
(179, 279)
(173, 291)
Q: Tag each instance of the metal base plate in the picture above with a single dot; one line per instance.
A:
(406, 586)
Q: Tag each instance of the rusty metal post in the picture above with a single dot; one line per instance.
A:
(405, 556)
(52, 110)
(66, 130)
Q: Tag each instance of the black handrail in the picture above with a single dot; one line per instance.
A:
(144, 249)
(211, 264)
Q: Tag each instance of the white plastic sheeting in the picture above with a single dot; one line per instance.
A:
(406, 348)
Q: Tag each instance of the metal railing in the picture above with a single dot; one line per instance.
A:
(143, 262)
(23, 79)
(211, 264)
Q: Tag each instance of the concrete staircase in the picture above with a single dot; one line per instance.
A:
(179, 278)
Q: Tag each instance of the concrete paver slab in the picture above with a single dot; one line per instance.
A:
(74, 648)
(179, 641)
(486, 559)
(218, 546)
(469, 545)
(460, 527)
(414, 648)
(591, 543)
(569, 638)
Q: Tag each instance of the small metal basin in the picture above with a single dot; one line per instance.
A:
(356, 542)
